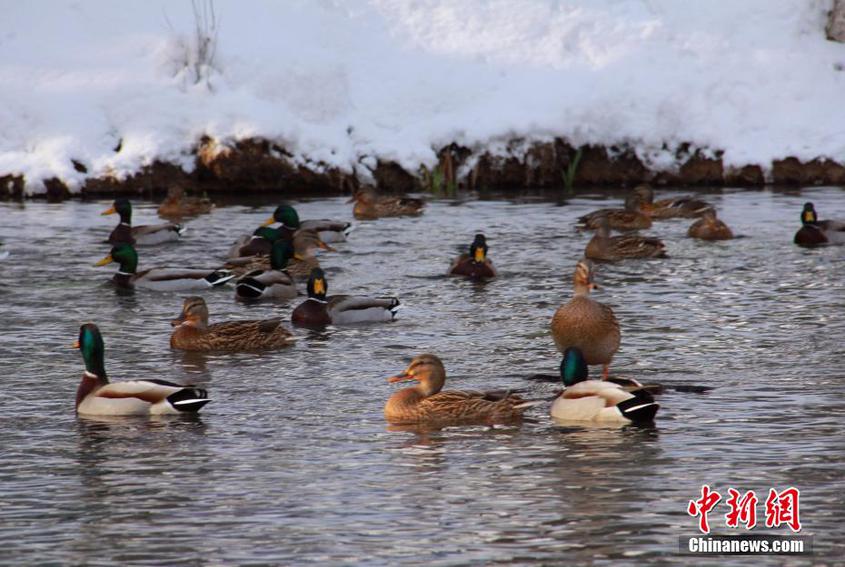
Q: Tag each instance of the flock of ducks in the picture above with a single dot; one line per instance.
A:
(273, 261)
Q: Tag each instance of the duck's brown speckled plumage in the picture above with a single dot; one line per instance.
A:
(585, 323)
(177, 205)
(611, 248)
(678, 207)
(629, 218)
(193, 332)
(369, 206)
(425, 403)
(708, 227)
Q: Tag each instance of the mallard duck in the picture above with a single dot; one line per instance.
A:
(320, 310)
(160, 279)
(305, 246)
(177, 205)
(611, 248)
(260, 242)
(708, 227)
(369, 206)
(814, 232)
(683, 207)
(327, 229)
(425, 403)
(193, 332)
(598, 400)
(97, 396)
(585, 323)
(274, 283)
(145, 234)
(629, 218)
(475, 265)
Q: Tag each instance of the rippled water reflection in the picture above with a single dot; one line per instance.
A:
(293, 462)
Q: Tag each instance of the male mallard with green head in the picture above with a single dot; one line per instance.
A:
(475, 265)
(275, 283)
(146, 234)
(97, 396)
(160, 279)
(328, 230)
(320, 310)
(598, 400)
(814, 232)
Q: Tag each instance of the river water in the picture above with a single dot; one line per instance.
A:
(293, 463)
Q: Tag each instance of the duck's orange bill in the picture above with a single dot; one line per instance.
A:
(109, 211)
(404, 377)
(268, 222)
(479, 255)
(107, 260)
(75, 344)
(178, 321)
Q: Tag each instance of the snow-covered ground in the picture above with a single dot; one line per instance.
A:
(344, 81)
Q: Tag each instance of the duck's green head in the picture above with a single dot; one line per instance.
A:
(122, 207)
(280, 254)
(286, 215)
(123, 254)
(317, 284)
(268, 233)
(808, 214)
(573, 368)
(478, 248)
(91, 345)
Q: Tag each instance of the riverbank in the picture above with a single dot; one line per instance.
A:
(261, 166)
(100, 97)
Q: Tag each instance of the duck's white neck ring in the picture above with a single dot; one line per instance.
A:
(317, 300)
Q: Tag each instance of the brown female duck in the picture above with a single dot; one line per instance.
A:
(679, 207)
(425, 403)
(369, 206)
(193, 332)
(708, 227)
(585, 323)
(629, 218)
(177, 205)
(475, 265)
(611, 248)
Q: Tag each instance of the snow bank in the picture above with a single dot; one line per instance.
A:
(342, 81)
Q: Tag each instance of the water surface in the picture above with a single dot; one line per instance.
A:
(292, 463)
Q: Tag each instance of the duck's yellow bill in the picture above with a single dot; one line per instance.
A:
(107, 260)
(109, 211)
(268, 222)
(75, 344)
(479, 255)
(319, 286)
(808, 217)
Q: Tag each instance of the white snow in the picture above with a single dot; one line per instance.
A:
(344, 82)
